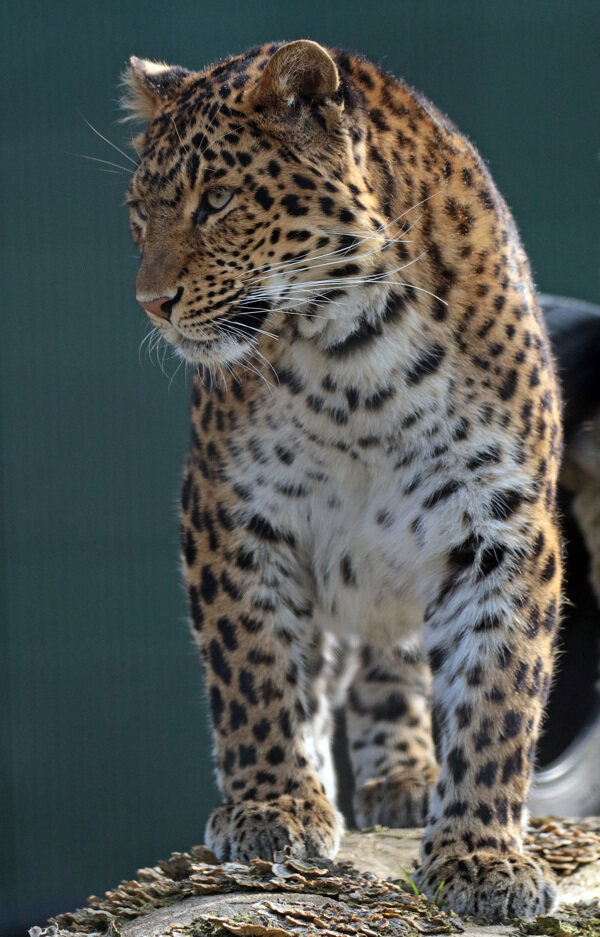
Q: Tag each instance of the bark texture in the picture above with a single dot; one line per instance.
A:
(365, 893)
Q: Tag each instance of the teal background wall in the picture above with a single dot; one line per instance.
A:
(106, 755)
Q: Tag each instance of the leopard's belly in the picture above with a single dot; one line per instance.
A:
(369, 581)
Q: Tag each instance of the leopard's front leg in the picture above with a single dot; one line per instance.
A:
(490, 638)
(251, 619)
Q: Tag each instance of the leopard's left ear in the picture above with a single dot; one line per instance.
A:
(147, 85)
(301, 70)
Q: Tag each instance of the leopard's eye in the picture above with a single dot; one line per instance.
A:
(213, 200)
(140, 210)
(217, 198)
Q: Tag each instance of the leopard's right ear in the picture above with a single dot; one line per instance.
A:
(298, 70)
(147, 85)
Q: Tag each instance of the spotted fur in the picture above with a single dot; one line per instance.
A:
(368, 509)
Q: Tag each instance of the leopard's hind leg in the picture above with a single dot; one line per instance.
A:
(390, 737)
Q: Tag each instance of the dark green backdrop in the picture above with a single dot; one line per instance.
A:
(107, 749)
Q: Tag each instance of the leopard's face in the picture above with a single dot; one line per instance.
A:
(251, 214)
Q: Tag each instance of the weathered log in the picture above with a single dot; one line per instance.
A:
(366, 892)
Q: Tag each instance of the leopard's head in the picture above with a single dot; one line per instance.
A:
(251, 205)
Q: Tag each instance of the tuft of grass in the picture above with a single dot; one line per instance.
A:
(409, 879)
(438, 900)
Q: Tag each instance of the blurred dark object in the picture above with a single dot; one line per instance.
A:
(568, 779)
(574, 330)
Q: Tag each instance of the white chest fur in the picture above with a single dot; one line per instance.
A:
(374, 502)
(368, 572)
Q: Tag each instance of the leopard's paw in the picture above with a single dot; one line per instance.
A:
(310, 827)
(399, 799)
(489, 885)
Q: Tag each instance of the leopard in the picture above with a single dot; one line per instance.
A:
(368, 508)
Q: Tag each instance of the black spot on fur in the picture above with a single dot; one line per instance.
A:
(437, 658)
(393, 708)
(509, 385)
(275, 755)
(549, 569)
(504, 503)
(512, 724)
(303, 182)
(247, 755)
(237, 715)
(218, 662)
(484, 813)
(264, 530)
(208, 586)
(189, 547)
(491, 559)
(292, 206)
(513, 765)
(457, 808)
(442, 494)
(366, 332)
(427, 363)
(217, 705)
(246, 685)
(263, 198)
(196, 608)
(347, 570)
(261, 730)
(228, 633)
(487, 775)
(488, 456)
(457, 764)
(348, 270)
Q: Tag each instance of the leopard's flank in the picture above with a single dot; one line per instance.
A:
(368, 508)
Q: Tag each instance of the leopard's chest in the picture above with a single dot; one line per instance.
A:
(358, 542)
(374, 502)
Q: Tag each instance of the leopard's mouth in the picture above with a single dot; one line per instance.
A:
(226, 339)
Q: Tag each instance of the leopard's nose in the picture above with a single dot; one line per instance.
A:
(160, 307)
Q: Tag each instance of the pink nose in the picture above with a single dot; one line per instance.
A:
(160, 307)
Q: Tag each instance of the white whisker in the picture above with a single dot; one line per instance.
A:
(267, 362)
(173, 376)
(331, 263)
(291, 263)
(106, 140)
(106, 161)
(211, 122)
(224, 134)
(184, 145)
(244, 325)
(240, 336)
(147, 340)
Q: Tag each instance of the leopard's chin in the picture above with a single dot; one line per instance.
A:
(212, 352)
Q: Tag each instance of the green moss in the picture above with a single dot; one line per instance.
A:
(576, 926)
(204, 929)
(547, 926)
